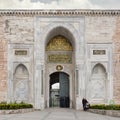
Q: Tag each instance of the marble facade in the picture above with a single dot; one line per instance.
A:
(24, 68)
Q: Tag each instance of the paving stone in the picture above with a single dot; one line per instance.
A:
(57, 114)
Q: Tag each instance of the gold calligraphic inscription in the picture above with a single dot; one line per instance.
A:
(59, 43)
(60, 58)
(99, 52)
(20, 52)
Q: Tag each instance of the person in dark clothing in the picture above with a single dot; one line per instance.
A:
(85, 104)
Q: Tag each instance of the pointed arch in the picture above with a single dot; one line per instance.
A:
(59, 46)
(98, 68)
(64, 29)
(21, 71)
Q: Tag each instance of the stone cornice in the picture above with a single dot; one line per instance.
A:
(61, 12)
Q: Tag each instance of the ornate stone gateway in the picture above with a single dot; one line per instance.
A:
(84, 44)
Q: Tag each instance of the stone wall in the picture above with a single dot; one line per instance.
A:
(116, 62)
(20, 34)
(100, 29)
(106, 30)
(28, 30)
(3, 63)
(19, 29)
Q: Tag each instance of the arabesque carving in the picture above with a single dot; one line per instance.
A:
(59, 43)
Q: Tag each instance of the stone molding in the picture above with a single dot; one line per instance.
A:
(72, 12)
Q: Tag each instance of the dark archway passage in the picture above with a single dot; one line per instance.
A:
(59, 97)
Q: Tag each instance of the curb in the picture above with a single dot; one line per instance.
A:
(114, 113)
(4, 112)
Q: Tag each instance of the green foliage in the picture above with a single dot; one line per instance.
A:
(102, 106)
(22, 105)
(105, 107)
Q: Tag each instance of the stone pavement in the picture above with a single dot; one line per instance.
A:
(57, 114)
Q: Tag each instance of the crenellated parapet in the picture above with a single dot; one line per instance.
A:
(67, 12)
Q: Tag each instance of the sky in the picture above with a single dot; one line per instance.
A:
(59, 4)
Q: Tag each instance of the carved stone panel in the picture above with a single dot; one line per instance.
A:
(21, 92)
(59, 43)
(97, 90)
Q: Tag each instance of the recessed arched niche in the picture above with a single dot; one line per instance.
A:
(97, 84)
(21, 84)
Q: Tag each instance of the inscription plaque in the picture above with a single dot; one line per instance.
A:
(99, 52)
(60, 58)
(20, 52)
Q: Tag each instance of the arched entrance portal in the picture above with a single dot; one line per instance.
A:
(59, 67)
(59, 95)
